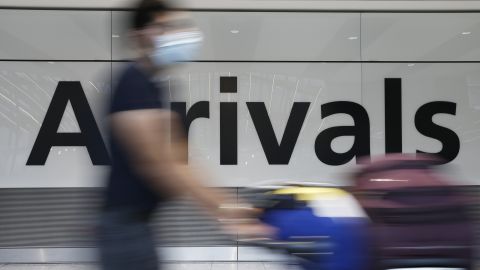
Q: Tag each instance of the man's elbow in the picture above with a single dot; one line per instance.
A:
(162, 177)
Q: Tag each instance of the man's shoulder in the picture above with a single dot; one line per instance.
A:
(131, 72)
(130, 77)
(134, 90)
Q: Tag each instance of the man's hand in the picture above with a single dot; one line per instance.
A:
(241, 220)
(253, 229)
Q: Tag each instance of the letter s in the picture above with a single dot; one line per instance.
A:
(425, 125)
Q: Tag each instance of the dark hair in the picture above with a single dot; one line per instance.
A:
(145, 12)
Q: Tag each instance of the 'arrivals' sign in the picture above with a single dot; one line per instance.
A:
(277, 152)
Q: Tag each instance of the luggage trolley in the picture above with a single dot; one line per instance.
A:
(323, 227)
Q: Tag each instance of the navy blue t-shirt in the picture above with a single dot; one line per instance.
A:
(126, 189)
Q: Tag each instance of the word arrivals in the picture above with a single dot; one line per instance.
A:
(277, 152)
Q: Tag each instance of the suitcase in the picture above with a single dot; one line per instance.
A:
(418, 218)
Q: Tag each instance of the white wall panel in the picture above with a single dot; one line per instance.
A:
(423, 83)
(122, 45)
(420, 37)
(27, 87)
(54, 35)
(26, 90)
(267, 36)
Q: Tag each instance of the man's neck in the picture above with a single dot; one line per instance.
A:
(147, 66)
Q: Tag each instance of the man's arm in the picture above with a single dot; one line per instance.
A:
(145, 136)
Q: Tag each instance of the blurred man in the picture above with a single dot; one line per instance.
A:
(146, 168)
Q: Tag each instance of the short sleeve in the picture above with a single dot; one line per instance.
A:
(135, 91)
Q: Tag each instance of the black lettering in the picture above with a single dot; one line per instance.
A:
(200, 109)
(360, 130)
(89, 135)
(448, 138)
(228, 84)
(228, 133)
(393, 115)
(278, 154)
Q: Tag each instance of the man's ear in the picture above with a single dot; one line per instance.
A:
(136, 36)
(140, 40)
(132, 34)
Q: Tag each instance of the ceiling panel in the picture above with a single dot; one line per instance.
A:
(54, 35)
(256, 36)
(420, 37)
(261, 4)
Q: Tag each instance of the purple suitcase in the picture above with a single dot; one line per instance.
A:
(418, 218)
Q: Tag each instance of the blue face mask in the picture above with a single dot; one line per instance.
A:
(175, 47)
